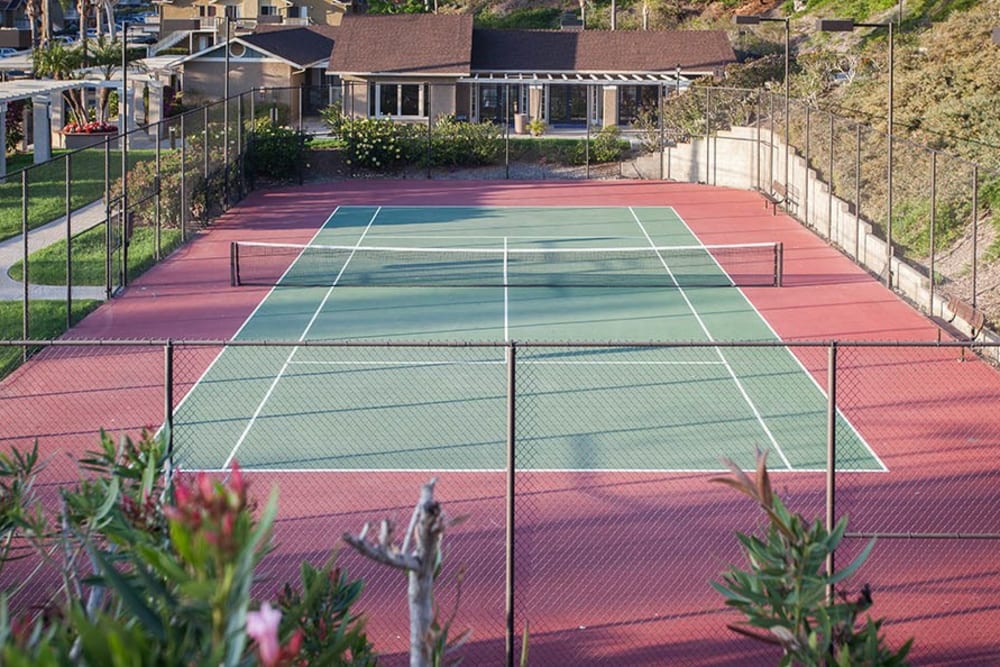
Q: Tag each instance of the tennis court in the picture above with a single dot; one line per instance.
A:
(486, 276)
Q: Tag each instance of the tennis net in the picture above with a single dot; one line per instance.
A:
(752, 264)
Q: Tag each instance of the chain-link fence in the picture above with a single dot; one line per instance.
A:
(834, 175)
(584, 470)
(81, 240)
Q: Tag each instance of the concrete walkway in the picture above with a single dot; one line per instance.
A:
(12, 251)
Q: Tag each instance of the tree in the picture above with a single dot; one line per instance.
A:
(64, 63)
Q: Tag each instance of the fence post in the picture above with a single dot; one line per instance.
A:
(184, 204)
(109, 237)
(586, 145)
(831, 452)
(770, 146)
(829, 210)
(708, 131)
(756, 122)
(69, 240)
(932, 230)
(430, 132)
(168, 399)
(239, 145)
(25, 320)
(506, 134)
(157, 220)
(511, 470)
(205, 151)
(975, 232)
(857, 193)
(659, 121)
(805, 173)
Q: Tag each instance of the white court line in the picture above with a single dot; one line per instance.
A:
(799, 363)
(248, 318)
(497, 362)
(651, 471)
(284, 367)
(708, 334)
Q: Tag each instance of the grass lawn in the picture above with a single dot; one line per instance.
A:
(47, 186)
(46, 319)
(48, 265)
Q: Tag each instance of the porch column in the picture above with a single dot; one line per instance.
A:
(155, 112)
(610, 102)
(127, 124)
(42, 131)
(58, 114)
(536, 100)
(136, 105)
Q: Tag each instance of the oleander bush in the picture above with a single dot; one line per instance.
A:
(159, 571)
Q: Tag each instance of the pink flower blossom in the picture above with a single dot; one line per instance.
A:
(262, 626)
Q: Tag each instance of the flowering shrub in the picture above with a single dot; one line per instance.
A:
(380, 144)
(93, 127)
(154, 575)
(275, 152)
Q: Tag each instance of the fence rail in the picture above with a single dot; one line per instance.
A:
(584, 468)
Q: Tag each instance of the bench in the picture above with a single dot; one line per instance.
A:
(972, 316)
(780, 195)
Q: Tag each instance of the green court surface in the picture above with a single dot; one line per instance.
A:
(419, 407)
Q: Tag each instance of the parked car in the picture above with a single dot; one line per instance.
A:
(7, 51)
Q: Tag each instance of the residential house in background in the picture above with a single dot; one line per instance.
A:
(198, 24)
(273, 57)
(15, 32)
(415, 66)
(420, 66)
(389, 63)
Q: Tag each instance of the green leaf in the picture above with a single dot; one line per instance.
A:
(855, 564)
(109, 501)
(129, 596)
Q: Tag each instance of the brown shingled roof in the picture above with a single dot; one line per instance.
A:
(619, 51)
(403, 44)
(300, 45)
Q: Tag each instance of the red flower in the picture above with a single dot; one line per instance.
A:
(89, 128)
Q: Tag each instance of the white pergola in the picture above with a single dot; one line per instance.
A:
(48, 111)
(40, 92)
(592, 78)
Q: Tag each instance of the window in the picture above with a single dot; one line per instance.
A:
(397, 99)
(268, 10)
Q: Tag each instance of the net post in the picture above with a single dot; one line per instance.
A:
(509, 536)
(234, 261)
(779, 264)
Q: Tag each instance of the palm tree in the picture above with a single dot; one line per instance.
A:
(31, 12)
(63, 63)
